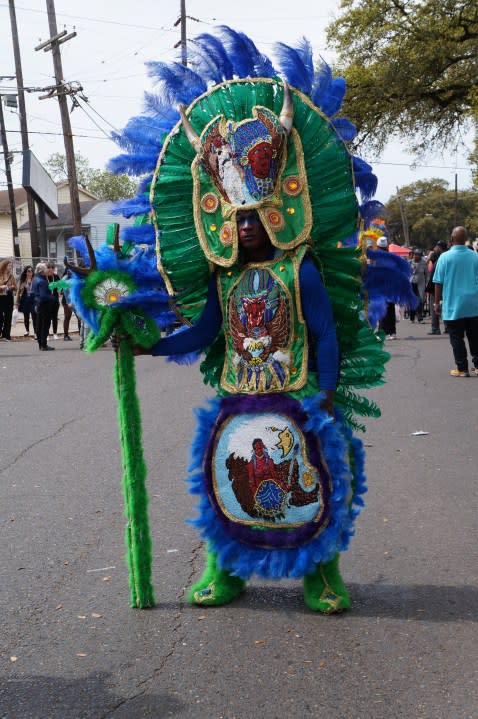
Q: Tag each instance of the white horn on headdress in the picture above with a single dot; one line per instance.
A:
(191, 133)
(286, 116)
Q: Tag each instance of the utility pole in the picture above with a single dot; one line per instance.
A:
(36, 251)
(184, 51)
(456, 200)
(62, 92)
(403, 215)
(11, 195)
(183, 42)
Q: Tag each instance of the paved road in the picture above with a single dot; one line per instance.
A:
(71, 648)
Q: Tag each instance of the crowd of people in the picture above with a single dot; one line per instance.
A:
(32, 297)
(40, 305)
(446, 282)
(422, 267)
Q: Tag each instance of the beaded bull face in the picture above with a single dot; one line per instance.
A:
(244, 158)
(255, 308)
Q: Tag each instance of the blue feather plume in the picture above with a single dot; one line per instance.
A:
(132, 207)
(365, 180)
(321, 82)
(345, 129)
(133, 164)
(179, 84)
(237, 51)
(387, 279)
(296, 65)
(210, 58)
(331, 101)
(370, 210)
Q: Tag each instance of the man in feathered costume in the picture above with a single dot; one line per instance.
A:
(251, 204)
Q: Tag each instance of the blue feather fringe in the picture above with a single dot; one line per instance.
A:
(141, 234)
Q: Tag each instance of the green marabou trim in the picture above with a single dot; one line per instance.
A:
(138, 538)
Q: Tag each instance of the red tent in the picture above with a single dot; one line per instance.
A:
(399, 250)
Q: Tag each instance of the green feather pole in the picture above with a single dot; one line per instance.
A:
(138, 539)
(134, 327)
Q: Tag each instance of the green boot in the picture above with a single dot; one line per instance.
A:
(324, 590)
(216, 586)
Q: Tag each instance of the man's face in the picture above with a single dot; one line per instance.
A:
(252, 235)
(260, 160)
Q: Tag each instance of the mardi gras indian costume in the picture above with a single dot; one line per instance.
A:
(279, 480)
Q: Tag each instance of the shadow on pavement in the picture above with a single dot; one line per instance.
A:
(43, 697)
(427, 602)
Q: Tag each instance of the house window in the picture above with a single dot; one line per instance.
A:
(52, 248)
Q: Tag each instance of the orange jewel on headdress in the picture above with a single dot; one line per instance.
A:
(275, 219)
(292, 186)
(209, 202)
(226, 234)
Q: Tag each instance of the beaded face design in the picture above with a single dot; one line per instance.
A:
(243, 158)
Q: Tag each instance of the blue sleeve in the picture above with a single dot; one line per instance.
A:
(317, 311)
(41, 291)
(438, 274)
(200, 335)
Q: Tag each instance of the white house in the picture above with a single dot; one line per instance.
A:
(95, 217)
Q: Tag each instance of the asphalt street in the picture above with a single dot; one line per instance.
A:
(72, 648)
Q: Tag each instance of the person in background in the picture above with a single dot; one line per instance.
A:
(44, 302)
(419, 280)
(388, 323)
(25, 300)
(53, 277)
(67, 308)
(441, 246)
(456, 299)
(8, 287)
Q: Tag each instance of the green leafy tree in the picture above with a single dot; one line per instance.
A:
(107, 186)
(473, 160)
(411, 69)
(57, 167)
(101, 183)
(431, 211)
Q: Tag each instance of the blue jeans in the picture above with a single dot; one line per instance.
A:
(456, 332)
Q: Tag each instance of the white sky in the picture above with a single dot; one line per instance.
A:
(107, 57)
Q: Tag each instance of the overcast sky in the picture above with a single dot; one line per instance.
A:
(107, 58)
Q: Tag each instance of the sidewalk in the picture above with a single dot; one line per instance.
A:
(18, 331)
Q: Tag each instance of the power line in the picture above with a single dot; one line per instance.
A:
(60, 134)
(97, 20)
(81, 106)
(413, 166)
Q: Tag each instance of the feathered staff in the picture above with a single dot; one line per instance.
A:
(120, 292)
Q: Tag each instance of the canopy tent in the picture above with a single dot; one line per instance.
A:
(399, 250)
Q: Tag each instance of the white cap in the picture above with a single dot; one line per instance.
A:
(382, 242)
